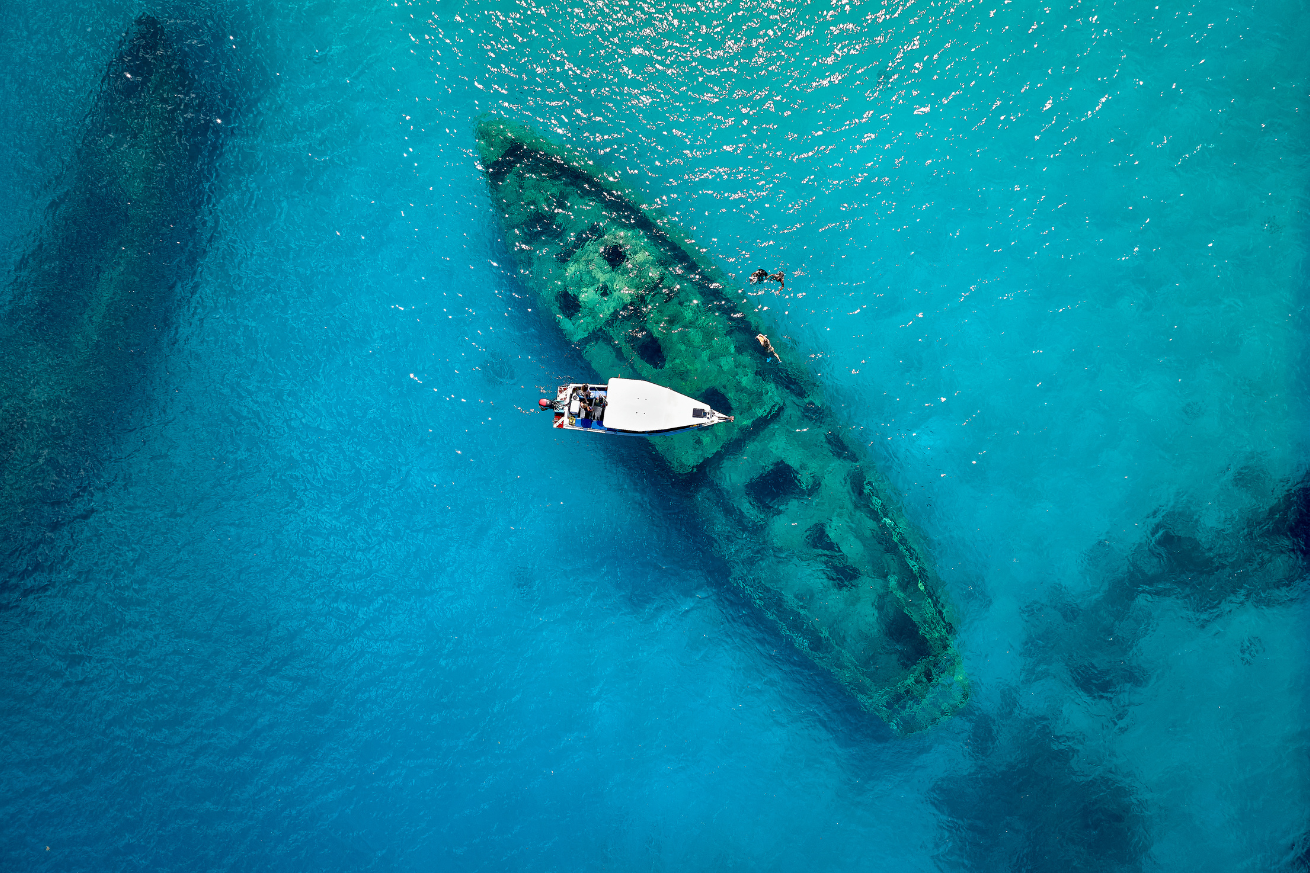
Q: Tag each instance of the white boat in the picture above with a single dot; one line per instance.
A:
(628, 406)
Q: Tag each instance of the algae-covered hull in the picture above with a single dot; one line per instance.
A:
(97, 289)
(803, 522)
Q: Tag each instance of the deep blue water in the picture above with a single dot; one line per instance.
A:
(304, 607)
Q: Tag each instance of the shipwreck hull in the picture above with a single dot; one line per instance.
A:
(96, 291)
(807, 527)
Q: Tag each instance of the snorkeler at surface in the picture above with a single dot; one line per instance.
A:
(758, 276)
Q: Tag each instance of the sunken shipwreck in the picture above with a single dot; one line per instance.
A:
(809, 530)
(96, 290)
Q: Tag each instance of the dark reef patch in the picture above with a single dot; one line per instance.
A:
(844, 575)
(717, 401)
(840, 448)
(1262, 556)
(1290, 518)
(614, 256)
(817, 538)
(594, 231)
(910, 644)
(648, 348)
(1300, 854)
(855, 478)
(1028, 806)
(568, 303)
(775, 486)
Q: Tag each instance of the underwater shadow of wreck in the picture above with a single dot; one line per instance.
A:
(1028, 806)
(96, 293)
(1260, 558)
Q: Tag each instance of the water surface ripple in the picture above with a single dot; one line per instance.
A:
(303, 610)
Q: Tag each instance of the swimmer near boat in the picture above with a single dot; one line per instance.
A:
(628, 406)
(807, 528)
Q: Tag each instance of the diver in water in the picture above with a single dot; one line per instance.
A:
(758, 276)
(767, 346)
(779, 278)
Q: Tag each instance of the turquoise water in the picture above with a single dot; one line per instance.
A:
(301, 608)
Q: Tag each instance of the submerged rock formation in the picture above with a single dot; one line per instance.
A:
(806, 526)
(93, 295)
(1032, 803)
(1260, 555)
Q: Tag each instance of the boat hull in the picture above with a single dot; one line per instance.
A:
(809, 530)
(626, 407)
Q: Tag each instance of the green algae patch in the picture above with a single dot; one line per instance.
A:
(810, 532)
